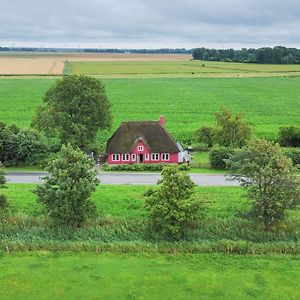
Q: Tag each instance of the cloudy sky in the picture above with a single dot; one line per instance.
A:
(150, 23)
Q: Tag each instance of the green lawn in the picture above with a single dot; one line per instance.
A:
(187, 103)
(127, 201)
(43, 275)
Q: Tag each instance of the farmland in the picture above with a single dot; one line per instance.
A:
(187, 103)
(125, 276)
(179, 68)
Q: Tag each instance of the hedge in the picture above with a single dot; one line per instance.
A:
(140, 167)
(217, 156)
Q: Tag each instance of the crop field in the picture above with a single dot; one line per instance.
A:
(187, 103)
(177, 68)
(43, 275)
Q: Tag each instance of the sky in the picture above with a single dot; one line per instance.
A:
(150, 23)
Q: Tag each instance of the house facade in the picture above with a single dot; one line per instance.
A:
(142, 142)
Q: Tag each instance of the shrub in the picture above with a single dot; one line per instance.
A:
(205, 135)
(140, 167)
(294, 155)
(172, 208)
(289, 136)
(3, 202)
(217, 157)
(67, 190)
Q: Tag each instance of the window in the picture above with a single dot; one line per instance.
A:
(155, 156)
(115, 157)
(147, 157)
(125, 157)
(140, 148)
(133, 157)
(165, 156)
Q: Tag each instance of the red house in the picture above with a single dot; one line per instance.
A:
(142, 142)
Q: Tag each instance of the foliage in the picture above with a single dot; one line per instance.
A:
(270, 179)
(231, 131)
(66, 191)
(294, 155)
(218, 156)
(3, 198)
(172, 208)
(140, 167)
(205, 135)
(289, 136)
(265, 55)
(20, 145)
(75, 108)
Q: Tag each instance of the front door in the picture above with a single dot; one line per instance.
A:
(141, 158)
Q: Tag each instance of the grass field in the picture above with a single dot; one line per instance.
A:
(44, 275)
(127, 201)
(178, 68)
(187, 103)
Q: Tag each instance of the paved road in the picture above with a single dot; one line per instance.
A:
(126, 178)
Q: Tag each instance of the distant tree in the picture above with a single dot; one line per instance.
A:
(269, 178)
(3, 198)
(75, 108)
(66, 192)
(289, 136)
(205, 135)
(232, 130)
(171, 206)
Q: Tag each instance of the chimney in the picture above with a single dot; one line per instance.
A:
(162, 121)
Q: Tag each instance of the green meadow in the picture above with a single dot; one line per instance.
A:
(140, 276)
(177, 68)
(187, 103)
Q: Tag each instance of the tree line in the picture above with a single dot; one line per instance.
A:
(264, 55)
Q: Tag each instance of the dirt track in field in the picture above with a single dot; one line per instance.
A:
(53, 64)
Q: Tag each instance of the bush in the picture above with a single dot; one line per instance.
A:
(140, 167)
(3, 202)
(294, 155)
(205, 135)
(289, 136)
(172, 208)
(218, 155)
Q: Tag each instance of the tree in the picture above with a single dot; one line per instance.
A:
(66, 192)
(231, 130)
(3, 198)
(205, 135)
(171, 206)
(269, 178)
(75, 108)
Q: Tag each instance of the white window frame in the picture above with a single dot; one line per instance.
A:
(133, 157)
(125, 157)
(140, 148)
(147, 157)
(155, 156)
(116, 157)
(165, 156)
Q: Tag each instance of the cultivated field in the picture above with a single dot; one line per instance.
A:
(133, 65)
(54, 64)
(180, 68)
(187, 103)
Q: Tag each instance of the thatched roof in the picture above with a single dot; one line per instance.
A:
(151, 132)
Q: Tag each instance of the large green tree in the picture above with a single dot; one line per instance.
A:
(75, 109)
(171, 206)
(269, 178)
(66, 192)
